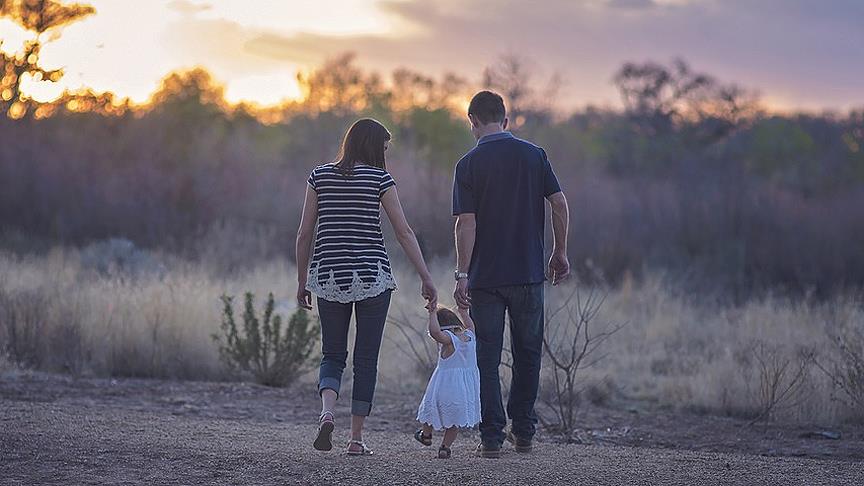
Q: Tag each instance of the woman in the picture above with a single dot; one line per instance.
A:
(349, 268)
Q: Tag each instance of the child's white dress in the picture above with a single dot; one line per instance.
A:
(452, 397)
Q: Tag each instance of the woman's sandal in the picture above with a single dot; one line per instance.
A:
(323, 441)
(444, 452)
(364, 451)
(420, 437)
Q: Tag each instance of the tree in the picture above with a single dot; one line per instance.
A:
(514, 77)
(659, 97)
(85, 101)
(39, 17)
(341, 88)
(191, 95)
(511, 76)
(412, 90)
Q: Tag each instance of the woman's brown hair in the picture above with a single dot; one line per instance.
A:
(447, 319)
(363, 144)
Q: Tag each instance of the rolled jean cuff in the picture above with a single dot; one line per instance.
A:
(361, 408)
(329, 383)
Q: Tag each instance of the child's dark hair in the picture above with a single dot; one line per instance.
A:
(447, 319)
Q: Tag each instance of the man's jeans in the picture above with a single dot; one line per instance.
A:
(524, 304)
(335, 318)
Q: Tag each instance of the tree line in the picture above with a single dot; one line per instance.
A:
(693, 176)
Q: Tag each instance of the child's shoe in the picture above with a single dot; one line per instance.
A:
(444, 452)
(426, 440)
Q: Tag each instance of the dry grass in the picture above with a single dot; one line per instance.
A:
(674, 350)
(700, 355)
(149, 325)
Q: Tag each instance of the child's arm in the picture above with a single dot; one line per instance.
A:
(466, 318)
(436, 332)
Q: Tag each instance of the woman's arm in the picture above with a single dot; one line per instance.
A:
(303, 246)
(436, 332)
(408, 241)
(466, 318)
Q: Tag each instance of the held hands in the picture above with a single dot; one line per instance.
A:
(559, 267)
(428, 292)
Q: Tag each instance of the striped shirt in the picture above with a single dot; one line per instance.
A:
(349, 262)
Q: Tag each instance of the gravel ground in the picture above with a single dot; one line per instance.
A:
(60, 430)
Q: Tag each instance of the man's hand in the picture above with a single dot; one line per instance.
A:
(463, 299)
(304, 297)
(559, 267)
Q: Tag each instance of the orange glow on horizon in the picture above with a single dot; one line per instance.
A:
(126, 49)
(255, 51)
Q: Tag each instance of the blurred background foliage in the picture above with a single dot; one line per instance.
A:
(693, 176)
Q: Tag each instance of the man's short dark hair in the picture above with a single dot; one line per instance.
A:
(487, 107)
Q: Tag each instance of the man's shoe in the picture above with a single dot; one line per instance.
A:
(487, 451)
(520, 445)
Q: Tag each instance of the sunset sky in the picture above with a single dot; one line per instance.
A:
(800, 54)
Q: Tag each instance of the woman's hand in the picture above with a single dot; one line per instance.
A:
(304, 297)
(304, 245)
(430, 293)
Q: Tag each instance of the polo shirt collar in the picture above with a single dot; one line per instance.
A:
(494, 136)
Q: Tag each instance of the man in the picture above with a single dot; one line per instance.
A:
(500, 191)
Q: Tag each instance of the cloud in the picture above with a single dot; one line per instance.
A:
(186, 7)
(221, 46)
(794, 51)
(300, 48)
(634, 4)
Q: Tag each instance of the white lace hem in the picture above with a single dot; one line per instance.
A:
(357, 290)
(440, 425)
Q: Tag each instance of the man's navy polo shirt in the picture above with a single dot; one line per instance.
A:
(505, 181)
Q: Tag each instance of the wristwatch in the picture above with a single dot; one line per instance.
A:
(460, 275)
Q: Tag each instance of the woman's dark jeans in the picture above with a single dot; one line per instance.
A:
(335, 319)
(524, 304)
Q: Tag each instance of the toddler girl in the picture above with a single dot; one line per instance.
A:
(452, 398)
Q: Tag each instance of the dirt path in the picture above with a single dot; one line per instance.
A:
(56, 430)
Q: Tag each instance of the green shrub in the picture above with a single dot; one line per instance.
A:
(262, 349)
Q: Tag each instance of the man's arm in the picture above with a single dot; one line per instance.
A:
(466, 318)
(466, 232)
(559, 265)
